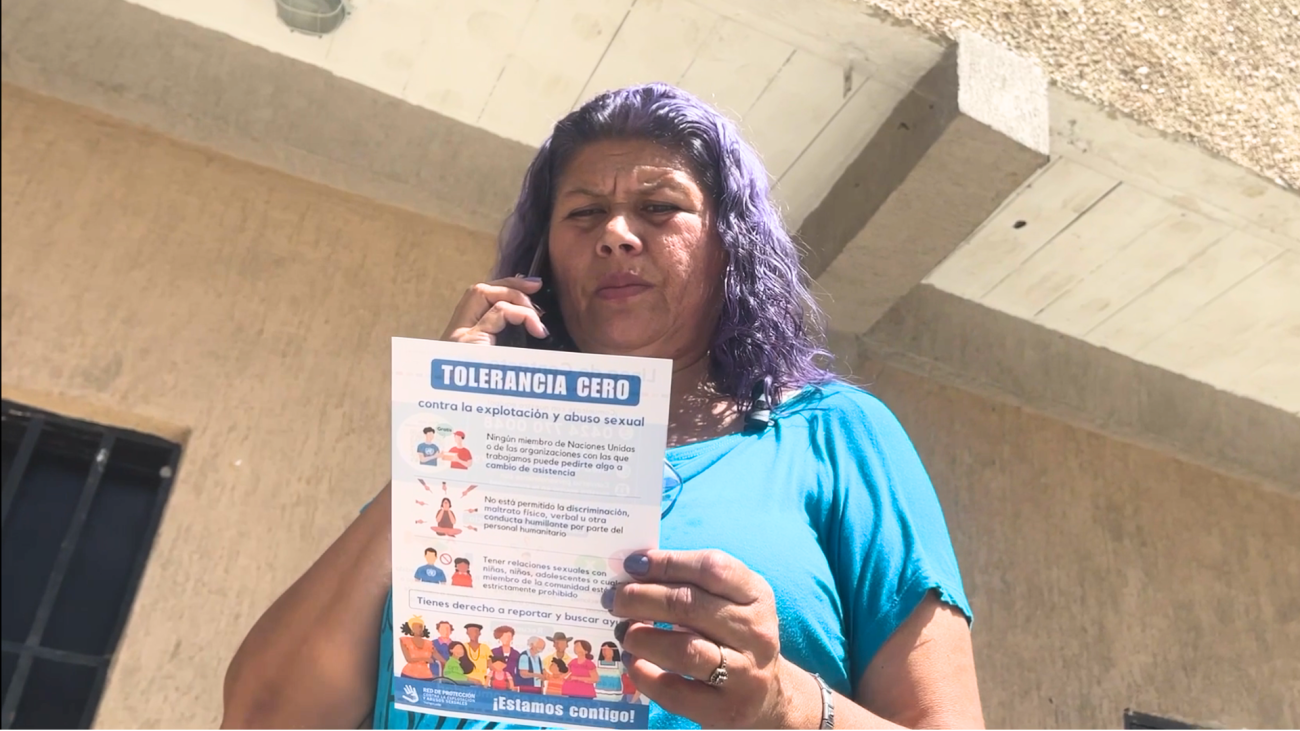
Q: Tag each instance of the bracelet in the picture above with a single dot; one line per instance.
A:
(828, 703)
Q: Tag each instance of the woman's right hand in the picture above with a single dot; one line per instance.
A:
(487, 307)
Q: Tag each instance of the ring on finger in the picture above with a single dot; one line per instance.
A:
(719, 674)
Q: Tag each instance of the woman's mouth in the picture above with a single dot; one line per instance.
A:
(621, 286)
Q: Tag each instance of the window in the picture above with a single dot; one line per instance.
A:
(81, 505)
(1136, 720)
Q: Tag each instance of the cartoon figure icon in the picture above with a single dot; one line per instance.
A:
(446, 520)
(417, 649)
(478, 653)
(583, 674)
(442, 646)
(461, 576)
(609, 668)
(459, 456)
(560, 642)
(409, 694)
(505, 634)
(458, 666)
(498, 677)
(429, 573)
(556, 672)
(630, 693)
(532, 670)
(426, 452)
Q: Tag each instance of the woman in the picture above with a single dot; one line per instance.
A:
(609, 669)
(581, 682)
(417, 650)
(445, 518)
(458, 665)
(807, 550)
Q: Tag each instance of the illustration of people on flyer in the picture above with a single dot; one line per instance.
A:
(520, 480)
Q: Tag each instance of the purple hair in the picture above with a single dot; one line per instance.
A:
(770, 327)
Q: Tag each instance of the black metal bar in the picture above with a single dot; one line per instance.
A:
(141, 561)
(92, 700)
(55, 582)
(21, 458)
(46, 653)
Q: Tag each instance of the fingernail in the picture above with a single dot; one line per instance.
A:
(628, 659)
(607, 599)
(533, 280)
(546, 332)
(638, 564)
(620, 630)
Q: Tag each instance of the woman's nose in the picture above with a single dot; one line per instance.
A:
(618, 236)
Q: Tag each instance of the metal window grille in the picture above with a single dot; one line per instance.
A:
(81, 505)
(1137, 720)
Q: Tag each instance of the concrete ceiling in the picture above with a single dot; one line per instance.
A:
(809, 82)
(1224, 74)
(1150, 248)
(1130, 241)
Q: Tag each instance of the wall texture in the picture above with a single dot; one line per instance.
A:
(248, 313)
(248, 308)
(1104, 575)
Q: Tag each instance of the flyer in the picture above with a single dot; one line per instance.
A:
(521, 480)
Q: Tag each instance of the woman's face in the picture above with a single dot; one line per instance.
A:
(458, 650)
(634, 252)
(607, 653)
(446, 502)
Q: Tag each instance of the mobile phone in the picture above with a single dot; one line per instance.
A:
(547, 305)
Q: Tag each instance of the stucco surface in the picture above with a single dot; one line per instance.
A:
(1223, 73)
(249, 308)
(252, 311)
(1106, 576)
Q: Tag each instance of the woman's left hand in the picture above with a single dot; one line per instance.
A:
(722, 609)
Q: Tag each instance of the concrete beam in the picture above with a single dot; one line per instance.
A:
(964, 139)
(209, 89)
(951, 339)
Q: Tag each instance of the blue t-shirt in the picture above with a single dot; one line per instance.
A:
(831, 505)
(430, 574)
(428, 453)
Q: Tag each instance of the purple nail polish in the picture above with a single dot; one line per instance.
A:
(638, 564)
(607, 599)
(628, 659)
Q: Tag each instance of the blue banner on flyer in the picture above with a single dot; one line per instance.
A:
(454, 699)
(541, 383)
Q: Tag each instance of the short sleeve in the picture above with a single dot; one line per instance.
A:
(888, 542)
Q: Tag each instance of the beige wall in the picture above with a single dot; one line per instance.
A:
(1104, 575)
(245, 306)
(249, 312)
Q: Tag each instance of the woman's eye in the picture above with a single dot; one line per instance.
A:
(584, 213)
(660, 208)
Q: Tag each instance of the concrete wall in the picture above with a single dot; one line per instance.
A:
(244, 307)
(1104, 575)
(247, 313)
